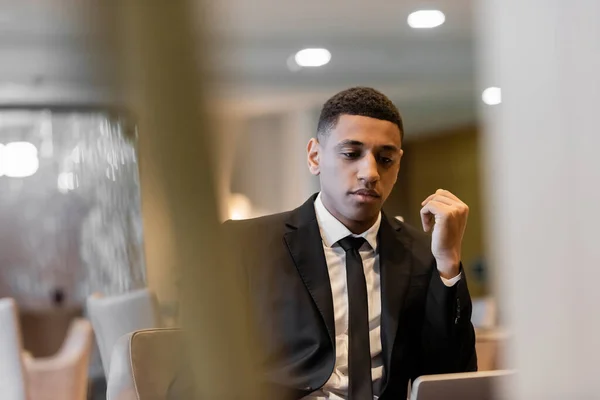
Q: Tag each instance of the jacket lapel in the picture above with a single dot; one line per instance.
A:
(395, 267)
(306, 249)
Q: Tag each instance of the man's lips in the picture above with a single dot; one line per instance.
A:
(366, 193)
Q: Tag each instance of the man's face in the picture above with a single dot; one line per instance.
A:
(358, 163)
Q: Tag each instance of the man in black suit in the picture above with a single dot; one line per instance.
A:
(348, 303)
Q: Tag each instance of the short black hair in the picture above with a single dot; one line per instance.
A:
(363, 101)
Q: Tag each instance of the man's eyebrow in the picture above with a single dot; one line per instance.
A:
(349, 142)
(356, 143)
(390, 147)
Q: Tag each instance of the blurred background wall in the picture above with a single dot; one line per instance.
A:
(265, 107)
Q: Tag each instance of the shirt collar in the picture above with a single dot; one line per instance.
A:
(333, 230)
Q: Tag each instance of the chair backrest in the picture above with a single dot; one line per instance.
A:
(64, 375)
(484, 314)
(491, 344)
(467, 385)
(145, 364)
(115, 316)
(12, 372)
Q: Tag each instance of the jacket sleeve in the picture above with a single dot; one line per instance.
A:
(447, 335)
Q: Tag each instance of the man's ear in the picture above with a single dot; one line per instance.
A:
(399, 165)
(313, 153)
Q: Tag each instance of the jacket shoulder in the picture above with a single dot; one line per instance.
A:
(272, 223)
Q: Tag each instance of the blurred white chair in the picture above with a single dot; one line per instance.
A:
(12, 372)
(485, 314)
(490, 345)
(65, 375)
(144, 365)
(115, 316)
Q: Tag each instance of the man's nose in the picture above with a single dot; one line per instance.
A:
(368, 171)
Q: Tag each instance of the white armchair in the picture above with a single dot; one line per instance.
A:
(485, 313)
(65, 375)
(115, 316)
(144, 365)
(12, 372)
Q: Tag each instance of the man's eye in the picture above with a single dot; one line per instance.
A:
(351, 155)
(385, 160)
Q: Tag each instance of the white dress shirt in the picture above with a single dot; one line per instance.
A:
(332, 230)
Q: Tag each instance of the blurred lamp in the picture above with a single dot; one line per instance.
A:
(312, 57)
(492, 96)
(426, 19)
(239, 206)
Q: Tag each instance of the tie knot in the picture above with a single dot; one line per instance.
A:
(351, 243)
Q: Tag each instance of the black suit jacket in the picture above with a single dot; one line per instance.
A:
(425, 326)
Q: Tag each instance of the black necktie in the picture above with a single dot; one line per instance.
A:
(359, 351)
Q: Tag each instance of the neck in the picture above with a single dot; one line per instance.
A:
(357, 227)
(354, 226)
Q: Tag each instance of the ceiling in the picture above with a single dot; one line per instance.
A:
(428, 73)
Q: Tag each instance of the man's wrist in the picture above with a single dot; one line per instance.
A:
(448, 269)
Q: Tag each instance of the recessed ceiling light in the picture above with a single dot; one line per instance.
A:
(312, 57)
(426, 19)
(492, 96)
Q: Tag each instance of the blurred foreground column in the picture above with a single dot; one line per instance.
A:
(297, 183)
(166, 69)
(543, 188)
